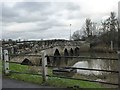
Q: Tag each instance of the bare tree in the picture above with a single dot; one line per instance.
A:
(76, 35)
(89, 29)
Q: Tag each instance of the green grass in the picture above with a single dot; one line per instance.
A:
(27, 78)
(52, 81)
(18, 67)
(24, 77)
(59, 82)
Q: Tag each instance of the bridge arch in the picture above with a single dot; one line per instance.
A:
(48, 60)
(76, 51)
(56, 60)
(26, 61)
(71, 52)
(66, 52)
(56, 53)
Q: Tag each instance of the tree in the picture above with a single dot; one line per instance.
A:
(113, 23)
(88, 28)
(109, 27)
(87, 31)
(76, 35)
(105, 26)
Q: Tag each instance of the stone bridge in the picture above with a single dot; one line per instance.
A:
(51, 48)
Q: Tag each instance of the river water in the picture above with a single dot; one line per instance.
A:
(96, 63)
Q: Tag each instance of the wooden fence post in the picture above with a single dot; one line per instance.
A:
(44, 68)
(1, 53)
(6, 64)
(119, 44)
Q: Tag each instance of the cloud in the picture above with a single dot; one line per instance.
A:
(24, 12)
(36, 11)
(33, 6)
(36, 20)
(21, 27)
(8, 13)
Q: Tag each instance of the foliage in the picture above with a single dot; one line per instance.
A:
(76, 35)
(109, 27)
(96, 34)
(86, 32)
(88, 28)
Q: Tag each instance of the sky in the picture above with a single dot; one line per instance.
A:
(50, 19)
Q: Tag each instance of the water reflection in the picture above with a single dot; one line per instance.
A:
(95, 64)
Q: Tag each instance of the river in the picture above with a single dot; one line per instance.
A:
(98, 64)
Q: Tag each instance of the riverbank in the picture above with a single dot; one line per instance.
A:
(98, 49)
(111, 78)
(52, 81)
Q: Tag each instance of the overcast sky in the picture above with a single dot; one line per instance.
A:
(50, 20)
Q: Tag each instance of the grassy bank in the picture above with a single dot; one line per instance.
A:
(24, 77)
(58, 82)
(52, 81)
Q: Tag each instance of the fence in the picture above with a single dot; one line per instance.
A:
(85, 68)
(6, 62)
(45, 66)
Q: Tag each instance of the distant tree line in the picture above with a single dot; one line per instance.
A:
(106, 32)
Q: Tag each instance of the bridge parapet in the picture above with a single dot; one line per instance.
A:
(43, 45)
